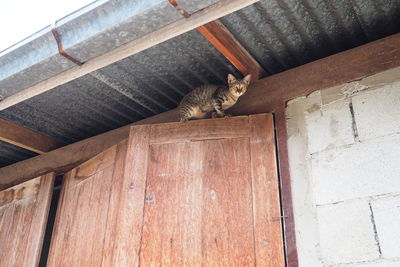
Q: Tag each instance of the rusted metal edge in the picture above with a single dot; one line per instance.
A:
(60, 47)
(179, 9)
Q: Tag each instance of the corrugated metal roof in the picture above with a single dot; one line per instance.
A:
(279, 34)
(285, 34)
(10, 154)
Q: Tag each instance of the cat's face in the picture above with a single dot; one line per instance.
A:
(238, 86)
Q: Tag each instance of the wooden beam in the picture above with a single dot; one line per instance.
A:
(263, 96)
(286, 189)
(223, 40)
(213, 12)
(350, 65)
(22, 137)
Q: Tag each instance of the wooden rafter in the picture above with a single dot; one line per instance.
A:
(224, 41)
(263, 96)
(22, 137)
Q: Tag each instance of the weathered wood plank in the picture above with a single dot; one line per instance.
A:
(23, 137)
(227, 225)
(286, 190)
(87, 209)
(18, 192)
(23, 219)
(172, 215)
(116, 186)
(198, 208)
(266, 201)
(206, 129)
(131, 203)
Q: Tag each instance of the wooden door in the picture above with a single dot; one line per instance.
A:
(23, 217)
(201, 193)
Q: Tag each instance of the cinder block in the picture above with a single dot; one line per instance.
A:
(361, 170)
(377, 112)
(329, 126)
(346, 233)
(387, 220)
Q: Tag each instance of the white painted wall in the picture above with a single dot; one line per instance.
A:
(344, 156)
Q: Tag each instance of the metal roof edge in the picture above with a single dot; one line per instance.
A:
(86, 33)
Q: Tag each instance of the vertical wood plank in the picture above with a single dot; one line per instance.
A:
(79, 229)
(42, 206)
(99, 225)
(63, 221)
(98, 205)
(13, 242)
(198, 209)
(82, 220)
(113, 202)
(227, 225)
(266, 202)
(290, 234)
(22, 239)
(172, 216)
(131, 202)
(23, 218)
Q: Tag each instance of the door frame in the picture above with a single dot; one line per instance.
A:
(281, 138)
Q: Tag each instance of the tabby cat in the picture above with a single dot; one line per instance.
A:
(217, 98)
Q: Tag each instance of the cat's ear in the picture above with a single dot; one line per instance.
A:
(247, 78)
(231, 79)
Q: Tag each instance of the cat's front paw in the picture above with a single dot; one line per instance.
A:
(183, 119)
(227, 115)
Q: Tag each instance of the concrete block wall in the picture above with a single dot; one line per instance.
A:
(344, 156)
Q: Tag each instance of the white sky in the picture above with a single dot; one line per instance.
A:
(21, 18)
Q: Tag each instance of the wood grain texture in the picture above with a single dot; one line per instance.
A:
(130, 214)
(23, 137)
(205, 129)
(85, 215)
(179, 171)
(266, 202)
(99, 219)
(198, 207)
(23, 221)
(262, 96)
(18, 192)
(207, 202)
(286, 190)
(223, 40)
